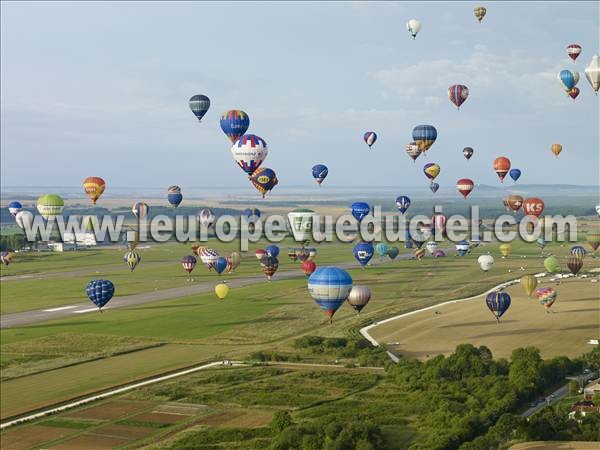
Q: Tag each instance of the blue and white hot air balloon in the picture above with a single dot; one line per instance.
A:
(329, 287)
(462, 248)
(319, 173)
(359, 210)
(14, 208)
(363, 252)
(402, 203)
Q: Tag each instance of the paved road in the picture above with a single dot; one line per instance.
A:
(43, 315)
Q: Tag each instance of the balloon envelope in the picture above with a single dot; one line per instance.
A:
(515, 174)
(363, 252)
(264, 179)
(424, 136)
(220, 264)
(329, 287)
(359, 210)
(498, 303)
(402, 203)
(100, 292)
(15, 207)
(358, 297)
(50, 205)
(132, 259)
(551, 264)
(94, 187)
(319, 173)
(221, 291)
(249, 152)
(468, 152)
(234, 124)
(199, 105)
(458, 93)
(529, 283)
(370, 137)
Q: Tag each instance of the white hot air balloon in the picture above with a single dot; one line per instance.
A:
(485, 262)
(206, 218)
(592, 73)
(598, 210)
(358, 297)
(24, 219)
(301, 223)
(413, 26)
(249, 152)
(431, 246)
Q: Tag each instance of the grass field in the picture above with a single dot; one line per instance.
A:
(565, 331)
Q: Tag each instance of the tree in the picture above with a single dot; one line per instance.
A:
(573, 387)
(281, 420)
(524, 373)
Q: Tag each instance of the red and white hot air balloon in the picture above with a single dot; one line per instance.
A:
(573, 50)
(465, 186)
(501, 167)
(533, 206)
(439, 221)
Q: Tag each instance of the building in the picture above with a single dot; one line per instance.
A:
(85, 239)
(591, 389)
(583, 408)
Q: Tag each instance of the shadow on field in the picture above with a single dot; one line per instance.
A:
(256, 321)
(476, 324)
(593, 326)
(594, 310)
(57, 325)
(510, 332)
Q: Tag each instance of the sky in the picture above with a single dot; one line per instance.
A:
(101, 89)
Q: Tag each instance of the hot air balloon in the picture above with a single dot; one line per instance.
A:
(546, 296)
(188, 263)
(358, 297)
(551, 264)
(514, 202)
(431, 170)
(468, 152)
(462, 248)
(14, 208)
(174, 196)
(329, 287)
(302, 254)
(529, 283)
(574, 93)
(208, 256)
(419, 253)
(264, 180)
(269, 265)
(593, 239)
(515, 174)
(234, 124)
(541, 242)
(381, 249)
(206, 218)
(5, 258)
(319, 173)
(140, 210)
(458, 93)
(433, 187)
(568, 78)
(199, 104)
(413, 26)
(498, 303)
(100, 292)
(360, 210)
(272, 250)
(556, 149)
(485, 262)
(592, 73)
(533, 206)
(574, 263)
(301, 222)
(293, 253)
(413, 150)
(312, 252)
(573, 50)
(465, 186)
(93, 188)
(260, 253)
(424, 136)
(221, 291)
(479, 12)
(431, 247)
(501, 167)
(220, 265)
(393, 252)
(505, 249)
(50, 206)
(370, 137)
(402, 203)
(249, 152)
(578, 250)
(233, 261)
(132, 259)
(363, 252)
(598, 210)
(308, 267)
(252, 214)
(439, 221)
(439, 253)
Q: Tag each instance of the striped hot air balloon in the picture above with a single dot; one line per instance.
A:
(329, 287)
(199, 105)
(370, 137)
(501, 167)
(573, 50)
(132, 259)
(458, 93)
(556, 149)
(424, 136)
(465, 186)
(50, 206)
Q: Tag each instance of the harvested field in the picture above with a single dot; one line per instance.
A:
(238, 418)
(26, 437)
(111, 410)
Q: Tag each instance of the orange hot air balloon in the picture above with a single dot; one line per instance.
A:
(514, 202)
(94, 187)
(501, 167)
(533, 206)
(556, 149)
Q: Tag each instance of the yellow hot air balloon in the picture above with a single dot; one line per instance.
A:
(479, 12)
(221, 290)
(556, 149)
(529, 283)
(94, 187)
(505, 249)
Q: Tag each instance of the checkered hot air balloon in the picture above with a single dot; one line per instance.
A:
(249, 152)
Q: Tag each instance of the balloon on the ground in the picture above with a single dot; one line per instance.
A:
(465, 186)
(424, 136)
(593, 239)
(485, 262)
(575, 263)
(358, 297)
(501, 167)
(370, 137)
(264, 179)
(515, 174)
(292, 253)
(14, 207)
(419, 253)
(468, 152)
(402, 203)
(592, 73)
(381, 249)
(100, 292)
(546, 296)
(431, 170)
(174, 195)
(573, 50)
(360, 210)
(413, 26)
(312, 252)
(462, 248)
(498, 303)
(458, 93)
(132, 259)
(208, 256)
(319, 173)
(94, 187)
(479, 12)
(505, 249)
(556, 149)
(233, 261)
(551, 264)
(529, 283)
(249, 152)
(260, 253)
(329, 287)
(393, 252)
(199, 105)
(50, 206)
(220, 265)
(541, 242)
(433, 187)
(578, 250)
(363, 252)
(439, 253)
(234, 124)
(140, 210)
(5, 258)
(308, 267)
(533, 206)
(431, 247)
(413, 150)
(188, 263)
(221, 291)
(269, 264)
(272, 250)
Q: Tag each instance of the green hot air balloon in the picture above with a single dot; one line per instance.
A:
(551, 264)
(50, 205)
